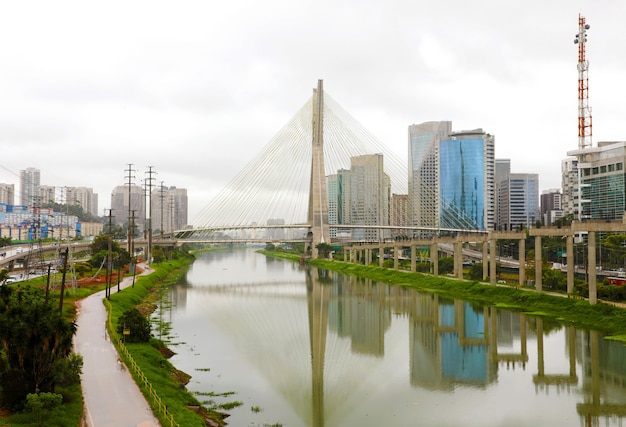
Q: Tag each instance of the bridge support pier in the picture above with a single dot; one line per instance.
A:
(434, 258)
(591, 256)
(569, 243)
(458, 259)
(381, 255)
(492, 261)
(485, 248)
(413, 258)
(538, 265)
(522, 262)
(396, 257)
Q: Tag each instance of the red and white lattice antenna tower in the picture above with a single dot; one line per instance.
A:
(584, 110)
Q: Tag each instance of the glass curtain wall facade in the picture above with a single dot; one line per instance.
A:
(466, 179)
(604, 181)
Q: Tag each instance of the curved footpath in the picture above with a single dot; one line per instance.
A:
(112, 398)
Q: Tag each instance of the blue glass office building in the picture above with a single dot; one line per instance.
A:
(466, 181)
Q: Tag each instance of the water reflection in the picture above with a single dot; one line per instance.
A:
(331, 350)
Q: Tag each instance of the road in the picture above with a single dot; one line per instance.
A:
(112, 398)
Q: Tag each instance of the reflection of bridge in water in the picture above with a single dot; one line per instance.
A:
(452, 344)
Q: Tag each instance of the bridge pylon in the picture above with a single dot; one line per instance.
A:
(318, 196)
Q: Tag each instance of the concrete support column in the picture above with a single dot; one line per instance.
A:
(396, 257)
(368, 256)
(591, 255)
(458, 260)
(381, 256)
(538, 281)
(345, 254)
(569, 247)
(485, 247)
(492, 261)
(413, 258)
(434, 258)
(522, 262)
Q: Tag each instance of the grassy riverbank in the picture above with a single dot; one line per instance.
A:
(606, 318)
(165, 379)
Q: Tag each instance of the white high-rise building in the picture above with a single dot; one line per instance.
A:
(169, 209)
(122, 210)
(30, 180)
(83, 196)
(7, 194)
(423, 197)
(519, 201)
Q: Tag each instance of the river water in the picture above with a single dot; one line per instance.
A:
(307, 347)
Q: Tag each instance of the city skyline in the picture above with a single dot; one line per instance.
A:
(196, 92)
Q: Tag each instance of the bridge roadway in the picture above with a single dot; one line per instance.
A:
(362, 253)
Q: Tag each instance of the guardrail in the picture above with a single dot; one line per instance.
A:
(162, 408)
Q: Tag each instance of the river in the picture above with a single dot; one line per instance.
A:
(307, 347)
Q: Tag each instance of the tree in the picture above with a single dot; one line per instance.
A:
(34, 337)
(137, 324)
(100, 250)
(323, 249)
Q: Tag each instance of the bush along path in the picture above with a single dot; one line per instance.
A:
(146, 357)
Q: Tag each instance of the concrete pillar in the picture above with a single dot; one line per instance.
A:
(522, 262)
(591, 267)
(492, 261)
(569, 244)
(413, 258)
(396, 257)
(538, 282)
(434, 258)
(381, 256)
(485, 260)
(345, 254)
(459, 259)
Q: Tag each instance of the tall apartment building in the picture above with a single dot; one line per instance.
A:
(466, 181)
(569, 186)
(169, 209)
(551, 207)
(603, 179)
(518, 199)
(83, 196)
(30, 180)
(128, 202)
(360, 196)
(423, 197)
(503, 170)
(46, 196)
(400, 214)
(7, 194)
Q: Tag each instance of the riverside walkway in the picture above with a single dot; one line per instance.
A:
(112, 398)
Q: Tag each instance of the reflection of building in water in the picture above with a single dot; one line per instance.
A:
(604, 380)
(448, 342)
(358, 310)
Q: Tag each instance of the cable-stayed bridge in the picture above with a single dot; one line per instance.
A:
(282, 194)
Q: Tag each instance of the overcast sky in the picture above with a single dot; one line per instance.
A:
(197, 88)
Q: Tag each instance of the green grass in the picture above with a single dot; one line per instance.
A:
(159, 371)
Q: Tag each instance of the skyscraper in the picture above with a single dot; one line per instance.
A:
(466, 180)
(519, 201)
(551, 207)
(30, 180)
(423, 197)
(120, 209)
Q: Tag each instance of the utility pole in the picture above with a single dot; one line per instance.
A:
(161, 200)
(149, 184)
(129, 181)
(65, 256)
(107, 292)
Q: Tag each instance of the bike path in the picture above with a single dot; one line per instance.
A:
(111, 396)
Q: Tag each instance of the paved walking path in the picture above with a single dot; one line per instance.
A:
(112, 398)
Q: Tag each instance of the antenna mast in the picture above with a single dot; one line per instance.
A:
(584, 110)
